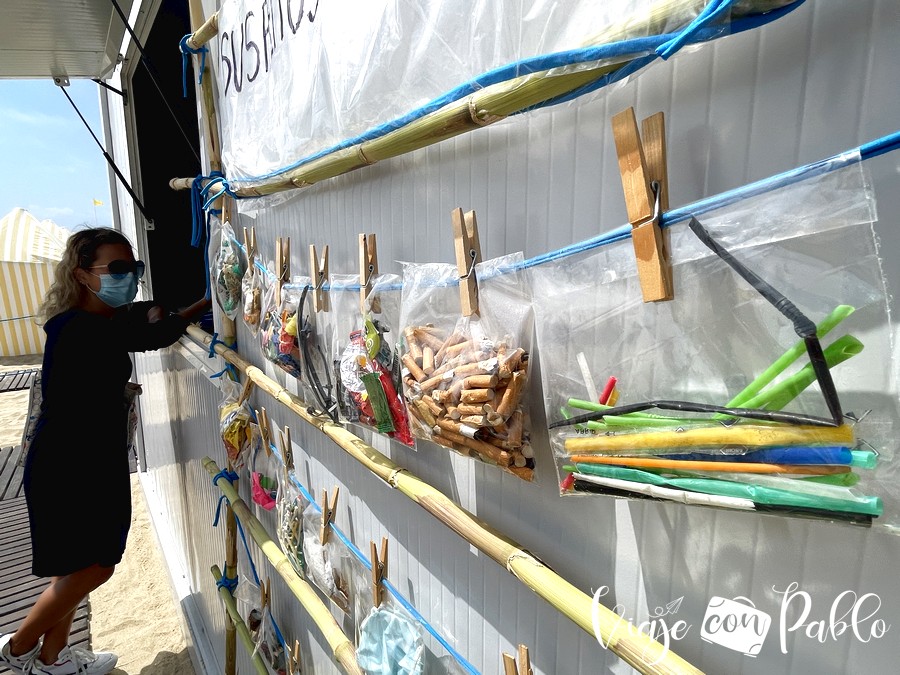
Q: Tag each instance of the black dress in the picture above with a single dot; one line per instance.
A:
(76, 479)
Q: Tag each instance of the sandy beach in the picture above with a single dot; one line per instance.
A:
(134, 614)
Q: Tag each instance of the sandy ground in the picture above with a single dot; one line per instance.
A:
(134, 614)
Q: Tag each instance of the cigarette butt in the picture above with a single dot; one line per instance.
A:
(527, 451)
(524, 472)
(413, 367)
(459, 348)
(510, 363)
(516, 424)
(427, 340)
(470, 409)
(519, 459)
(480, 382)
(511, 396)
(424, 413)
(474, 420)
(427, 360)
(454, 339)
(494, 419)
(412, 345)
(476, 395)
(435, 409)
(501, 457)
(442, 396)
(484, 367)
(456, 427)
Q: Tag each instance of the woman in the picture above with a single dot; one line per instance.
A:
(76, 480)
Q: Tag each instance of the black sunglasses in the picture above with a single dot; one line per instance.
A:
(119, 269)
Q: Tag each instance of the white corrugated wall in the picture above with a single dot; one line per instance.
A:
(818, 81)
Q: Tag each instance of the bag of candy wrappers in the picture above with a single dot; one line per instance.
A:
(280, 323)
(366, 363)
(240, 435)
(328, 565)
(464, 378)
(227, 270)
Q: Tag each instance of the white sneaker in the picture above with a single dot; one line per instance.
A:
(76, 661)
(21, 665)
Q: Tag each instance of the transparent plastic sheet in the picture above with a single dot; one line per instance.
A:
(291, 505)
(253, 288)
(327, 78)
(228, 272)
(259, 623)
(813, 241)
(239, 435)
(367, 365)
(280, 326)
(265, 471)
(464, 378)
(328, 565)
(390, 642)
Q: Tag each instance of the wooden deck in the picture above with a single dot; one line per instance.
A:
(19, 588)
(17, 380)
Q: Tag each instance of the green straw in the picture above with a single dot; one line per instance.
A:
(837, 315)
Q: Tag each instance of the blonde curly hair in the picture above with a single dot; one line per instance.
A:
(81, 251)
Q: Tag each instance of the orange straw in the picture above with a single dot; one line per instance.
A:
(741, 467)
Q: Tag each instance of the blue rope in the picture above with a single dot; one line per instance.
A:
(699, 30)
(185, 50)
(468, 667)
(225, 582)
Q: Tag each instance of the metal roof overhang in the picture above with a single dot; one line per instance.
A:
(61, 38)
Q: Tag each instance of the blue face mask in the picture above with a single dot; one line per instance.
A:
(116, 291)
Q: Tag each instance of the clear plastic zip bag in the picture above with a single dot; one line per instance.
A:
(464, 378)
(769, 362)
(328, 564)
(290, 507)
(228, 272)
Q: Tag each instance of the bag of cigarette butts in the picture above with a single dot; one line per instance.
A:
(766, 369)
(464, 378)
(367, 363)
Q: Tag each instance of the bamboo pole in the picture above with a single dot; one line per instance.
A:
(490, 104)
(204, 33)
(622, 638)
(342, 647)
(236, 618)
(211, 137)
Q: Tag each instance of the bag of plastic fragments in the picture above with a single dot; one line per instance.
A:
(291, 505)
(758, 387)
(228, 272)
(253, 287)
(464, 378)
(366, 362)
(235, 424)
(328, 564)
(279, 333)
(390, 642)
(265, 469)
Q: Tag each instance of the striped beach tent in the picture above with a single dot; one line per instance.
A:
(29, 251)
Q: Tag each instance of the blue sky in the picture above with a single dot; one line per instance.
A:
(50, 164)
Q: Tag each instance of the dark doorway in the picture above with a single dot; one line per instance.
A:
(168, 147)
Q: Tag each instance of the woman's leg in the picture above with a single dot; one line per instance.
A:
(54, 610)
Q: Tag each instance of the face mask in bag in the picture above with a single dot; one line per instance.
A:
(116, 292)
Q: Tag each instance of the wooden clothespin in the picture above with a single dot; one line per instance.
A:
(246, 390)
(250, 245)
(287, 449)
(368, 270)
(328, 512)
(294, 659)
(642, 165)
(524, 666)
(379, 570)
(265, 430)
(265, 590)
(318, 272)
(282, 264)
(468, 254)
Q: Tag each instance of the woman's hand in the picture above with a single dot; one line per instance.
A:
(155, 314)
(197, 309)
